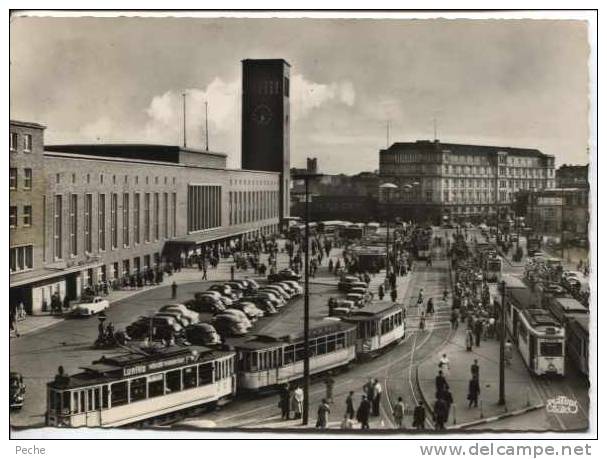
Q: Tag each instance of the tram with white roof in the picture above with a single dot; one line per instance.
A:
(538, 334)
(139, 385)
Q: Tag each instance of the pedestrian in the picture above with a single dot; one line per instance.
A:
(440, 414)
(399, 413)
(430, 307)
(443, 364)
(419, 416)
(204, 271)
(284, 402)
(393, 295)
(469, 340)
(475, 369)
(422, 322)
(474, 389)
(368, 390)
(381, 292)
(232, 269)
(363, 412)
(454, 320)
(329, 383)
(323, 414)
(440, 382)
(508, 352)
(478, 331)
(297, 402)
(377, 390)
(350, 405)
(174, 290)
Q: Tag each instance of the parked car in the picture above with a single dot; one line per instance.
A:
(205, 304)
(285, 274)
(182, 320)
(224, 290)
(298, 289)
(237, 287)
(356, 298)
(251, 284)
(360, 290)
(240, 315)
(276, 302)
(226, 301)
(89, 306)
(279, 291)
(229, 325)
(16, 395)
(162, 328)
(252, 311)
(345, 283)
(262, 303)
(202, 334)
(292, 291)
(192, 315)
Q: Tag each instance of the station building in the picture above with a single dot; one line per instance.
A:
(84, 213)
(441, 181)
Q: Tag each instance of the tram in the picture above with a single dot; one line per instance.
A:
(266, 360)
(577, 341)
(377, 327)
(536, 332)
(132, 387)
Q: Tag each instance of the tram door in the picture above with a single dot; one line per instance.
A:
(92, 404)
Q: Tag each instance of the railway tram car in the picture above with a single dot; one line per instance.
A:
(577, 341)
(266, 361)
(136, 386)
(378, 325)
(537, 333)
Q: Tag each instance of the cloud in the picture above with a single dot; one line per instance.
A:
(309, 95)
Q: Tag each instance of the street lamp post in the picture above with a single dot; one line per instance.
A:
(502, 394)
(306, 376)
(387, 187)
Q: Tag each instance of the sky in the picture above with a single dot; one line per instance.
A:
(490, 82)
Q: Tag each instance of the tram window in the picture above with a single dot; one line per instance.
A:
(82, 400)
(97, 402)
(551, 349)
(205, 374)
(331, 343)
(312, 348)
(173, 381)
(90, 400)
(299, 352)
(52, 400)
(289, 354)
(119, 393)
(340, 342)
(189, 377)
(104, 396)
(361, 330)
(138, 387)
(155, 385)
(321, 345)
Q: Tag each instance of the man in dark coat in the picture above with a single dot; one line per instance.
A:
(363, 412)
(475, 369)
(350, 405)
(284, 402)
(441, 382)
(440, 414)
(419, 416)
(478, 331)
(174, 290)
(474, 389)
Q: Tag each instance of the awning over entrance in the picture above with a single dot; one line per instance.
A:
(38, 275)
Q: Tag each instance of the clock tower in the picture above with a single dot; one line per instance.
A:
(266, 121)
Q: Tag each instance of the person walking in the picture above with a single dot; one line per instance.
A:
(393, 295)
(440, 383)
(399, 413)
(324, 410)
(368, 390)
(232, 270)
(475, 369)
(474, 389)
(478, 331)
(422, 321)
(377, 390)
(469, 340)
(174, 290)
(363, 412)
(297, 402)
(350, 405)
(204, 270)
(381, 292)
(430, 307)
(508, 352)
(419, 416)
(443, 364)
(454, 320)
(440, 414)
(284, 402)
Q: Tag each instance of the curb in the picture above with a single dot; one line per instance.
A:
(497, 417)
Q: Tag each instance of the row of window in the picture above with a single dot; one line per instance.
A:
(137, 389)
(14, 142)
(164, 218)
(204, 207)
(13, 178)
(21, 258)
(468, 170)
(114, 179)
(14, 216)
(250, 206)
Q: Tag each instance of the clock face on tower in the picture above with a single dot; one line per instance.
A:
(262, 115)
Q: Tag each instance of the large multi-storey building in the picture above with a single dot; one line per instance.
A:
(454, 181)
(109, 211)
(572, 176)
(266, 120)
(559, 212)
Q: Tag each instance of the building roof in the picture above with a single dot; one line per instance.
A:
(465, 148)
(27, 124)
(154, 152)
(265, 61)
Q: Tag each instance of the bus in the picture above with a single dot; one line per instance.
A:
(536, 332)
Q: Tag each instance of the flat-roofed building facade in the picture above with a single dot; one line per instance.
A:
(455, 181)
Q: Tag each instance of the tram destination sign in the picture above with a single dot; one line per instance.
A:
(158, 365)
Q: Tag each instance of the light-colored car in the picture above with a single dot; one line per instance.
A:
(228, 324)
(296, 287)
(356, 298)
(239, 315)
(90, 306)
(192, 315)
(202, 334)
(252, 311)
